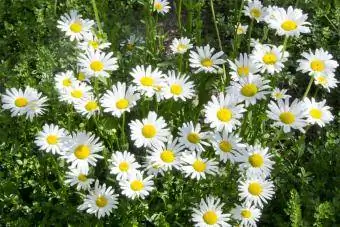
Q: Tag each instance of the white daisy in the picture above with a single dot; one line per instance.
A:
(326, 81)
(227, 146)
(241, 29)
(78, 178)
(136, 186)
(246, 214)
(287, 116)
(91, 41)
(146, 79)
(223, 112)
(76, 92)
(64, 80)
(242, 67)
(151, 167)
(256, 191)
(178, 86)
(250, 89)
(151, 131)
(131, 43)
(191, 137)
(87, 106)
(123, 164)
(269, 58)
(161, 6)
(100, 201)
(255, 10)
(81, 151)
(74, 26)
(209, 213)
(318, 112)
(204, 59)
(180, 46)
(319, 62)
(196, 167)
(289, 23)
(255, 160)
(119, 99)
(51, 139)
(278, 94)
(96, 63)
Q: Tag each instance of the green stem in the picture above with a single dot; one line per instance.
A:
(308, 87)
(285, 42)
(95, 9)
(123, 130)
(238, 22)
(180, 62)
(179, 15)
(249, 34)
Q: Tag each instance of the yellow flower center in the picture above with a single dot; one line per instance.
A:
(82, 151)
(176, 89)
(149, 131)
(315, 113)
(122, 104)
(239, 30)
(82, 177)
(97, 66)
(147, 81)
(224, 114)
(246, 213)
(181, 47)
(207, 62)
(255, 188)
(249, 90)
(269, 58)
(278, 95)
(255, 12)
(21, 102)
(225, 146)
(101, 201)
(243, 71)
(210, 217)
(76, 27)
(321, 80)
(199, 165)
(287, 117)
(130, 46)
(167, 156)
(94, 44)
(158, 6)
(317, 65)
(136, 185)
(256, 160)
(91, 106)
(289, 25)
(52, 139)
(77, 94)
(81, 77)
(193, 138)
(124, 166)
(67, 82)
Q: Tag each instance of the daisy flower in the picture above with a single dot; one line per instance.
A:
(146, 79)
(27, 102)
(209, 213)
(51, 139)
(278, 94)
(82, 77)
(180, 46)
(119, 99)
(196, 167)
(255, 160)
(326, 81)
(151, 131)
(100, 201)
(204, 59)
(161, 6)
(87, 106)
(320, 61)
(250, 89)
(74, 26)
(178, 86)
(269, 58)
(223, 112)
(241, 29)
(78, 178)
(242, 67)
(123, 164)
(318, 112)
(136, 186)
(82, 149)
(96, 63)
(131, 42)
(151, 167)
(76, 92)
(255, 10)
(227, 146)
(246, 214)
(289, 23)
(287, 116)
(256, 191)
(64, 80)
(191, 137)
(92, 42)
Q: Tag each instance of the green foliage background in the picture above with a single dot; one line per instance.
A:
(32, 50)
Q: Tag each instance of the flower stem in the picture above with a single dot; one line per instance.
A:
(285, 42)
(308, 87)
(95, 9)
(249, 34)
(235, 30)
(179, 15)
